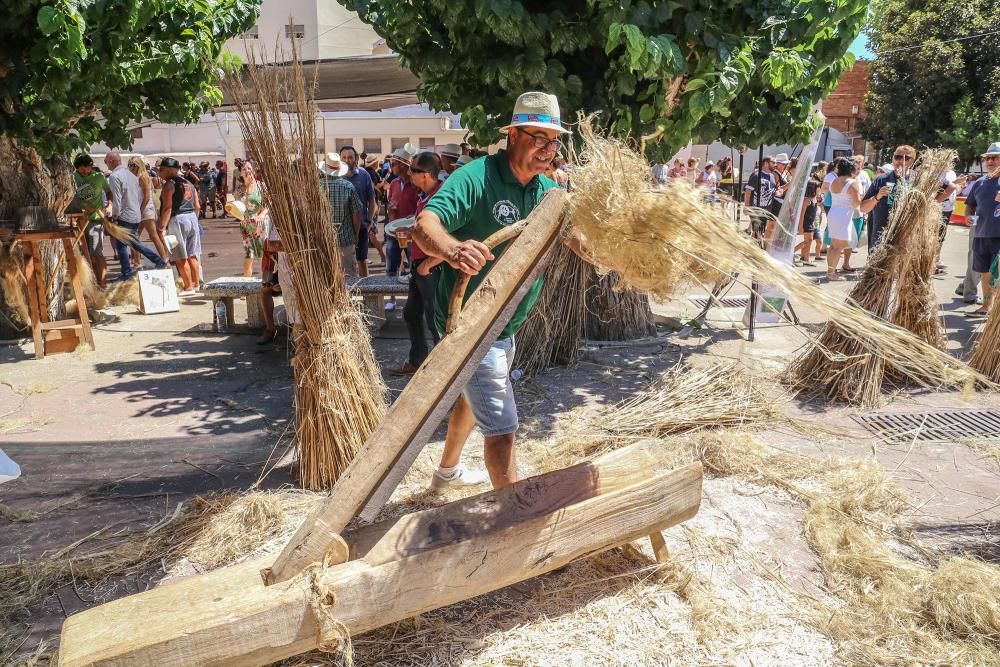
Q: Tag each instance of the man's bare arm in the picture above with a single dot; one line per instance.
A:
(166, 201)
(466, 256)
(356, 219)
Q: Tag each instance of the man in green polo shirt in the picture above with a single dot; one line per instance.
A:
(92, 188)
(476, 201)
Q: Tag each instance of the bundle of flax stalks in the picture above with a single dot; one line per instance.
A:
(339, 393)
(551, 333)
(662, 241)
(896, 286)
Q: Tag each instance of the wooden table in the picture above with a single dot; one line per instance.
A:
(58, 335)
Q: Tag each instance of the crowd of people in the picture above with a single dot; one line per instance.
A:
(848, 201)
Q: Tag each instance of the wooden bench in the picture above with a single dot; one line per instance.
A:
(228, 288)
(373, 291)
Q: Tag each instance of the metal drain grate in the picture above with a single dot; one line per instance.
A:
(727, 302)
(943, 426)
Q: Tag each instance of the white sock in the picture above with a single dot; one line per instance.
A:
(449, 473)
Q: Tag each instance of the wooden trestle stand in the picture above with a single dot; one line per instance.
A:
(59, 335)
(329, 582)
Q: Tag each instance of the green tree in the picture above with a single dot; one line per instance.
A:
(669, 70)
(920, 74)
(972, 129)
(77, 72)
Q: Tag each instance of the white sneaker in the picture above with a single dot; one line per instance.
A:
(187, 292)
(460, 477)
(404, 278)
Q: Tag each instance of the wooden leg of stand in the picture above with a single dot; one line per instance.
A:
(659, 547)
(35, 309)
(81, 303)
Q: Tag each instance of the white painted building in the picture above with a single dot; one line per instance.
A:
(326, 30)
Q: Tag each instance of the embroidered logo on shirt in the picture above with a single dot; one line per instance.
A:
(505, 212)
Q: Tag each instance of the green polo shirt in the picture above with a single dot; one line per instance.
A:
(90, 190)
(479, 199)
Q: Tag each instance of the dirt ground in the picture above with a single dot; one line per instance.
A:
(164, 410)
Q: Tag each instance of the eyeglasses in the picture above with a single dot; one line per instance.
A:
(990, 158)
(903, 156)
(546, 144)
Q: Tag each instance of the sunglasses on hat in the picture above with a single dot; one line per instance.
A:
(903, 156)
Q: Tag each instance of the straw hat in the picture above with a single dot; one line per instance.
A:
(402, 155)
(237, 209)
(451, 150)
(536, 110)
(781, 158)
(994, 149)
(332, 166)
(371, 160)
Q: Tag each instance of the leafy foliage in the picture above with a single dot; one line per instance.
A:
(971, 130)
(750, 71)
(915, 93)
(75, 72)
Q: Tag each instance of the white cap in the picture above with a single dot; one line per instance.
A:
(781, 158)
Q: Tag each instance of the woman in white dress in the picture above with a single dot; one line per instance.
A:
(845, 198)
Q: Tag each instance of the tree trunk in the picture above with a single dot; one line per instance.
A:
(28, 180)
(616, 314)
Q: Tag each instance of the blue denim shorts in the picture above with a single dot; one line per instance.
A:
(490, 393)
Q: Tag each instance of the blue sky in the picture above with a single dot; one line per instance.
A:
(858, 48)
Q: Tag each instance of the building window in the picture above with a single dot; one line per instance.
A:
(297, 30)
(320, 147)
(252, 33)
(372, 146)
(341, 142)
(136, 133)
(399, 142)
(427, 142)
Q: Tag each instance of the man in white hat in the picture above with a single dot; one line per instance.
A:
(345, 207)
(477, 200)
(449, 156)
(982, 210)
(402, 195)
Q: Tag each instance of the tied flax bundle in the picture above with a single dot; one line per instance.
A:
(662, 241)
(339, 393)
(896, 286)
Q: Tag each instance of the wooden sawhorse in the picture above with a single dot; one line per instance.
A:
(58, 335)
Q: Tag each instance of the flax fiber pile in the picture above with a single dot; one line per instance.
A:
(663, 241)
(339, 393)
(897, 609)
(895, 286)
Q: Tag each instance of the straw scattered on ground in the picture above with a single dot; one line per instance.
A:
(895, 607)
(664, 241)
(682, 400)
(339, 393)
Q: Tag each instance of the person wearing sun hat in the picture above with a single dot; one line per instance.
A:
(477, 200)
(449, 157)
(402, 195)
(345, 207)
(982, 210)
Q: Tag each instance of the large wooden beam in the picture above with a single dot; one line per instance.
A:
(228, 617)
(393, 446)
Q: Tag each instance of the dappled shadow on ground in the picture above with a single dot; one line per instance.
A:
(973, 539)
(99, 494)
(225, 383)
